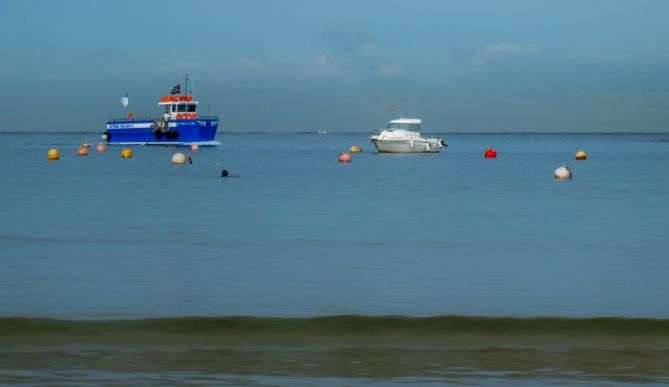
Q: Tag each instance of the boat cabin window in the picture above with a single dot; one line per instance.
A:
(411, 127)
(174, 108)
(186, 108)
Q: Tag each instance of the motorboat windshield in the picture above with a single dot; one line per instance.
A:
(402, 126)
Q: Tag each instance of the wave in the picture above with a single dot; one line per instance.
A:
(332, 326)
(449, 348)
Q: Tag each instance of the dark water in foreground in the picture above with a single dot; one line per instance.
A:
(296, 235)
(338, 350)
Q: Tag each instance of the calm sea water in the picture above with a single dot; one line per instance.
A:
(294, 233)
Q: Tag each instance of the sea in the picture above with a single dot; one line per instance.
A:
(296, 269)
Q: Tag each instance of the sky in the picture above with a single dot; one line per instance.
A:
(341, 65)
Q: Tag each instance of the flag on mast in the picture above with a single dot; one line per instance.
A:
(124, 101)
(176, 89)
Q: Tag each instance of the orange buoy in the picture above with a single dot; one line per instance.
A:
(126, 153)
(100, 148)
(344, 157)
(82, 151)
(194, 147)
(581, 155)
(490, 153)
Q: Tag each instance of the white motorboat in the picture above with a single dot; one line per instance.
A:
(403, 136)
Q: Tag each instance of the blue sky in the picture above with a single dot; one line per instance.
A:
(465, 66)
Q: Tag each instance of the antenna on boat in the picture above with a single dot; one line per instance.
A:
(393, 110)
(186, 83)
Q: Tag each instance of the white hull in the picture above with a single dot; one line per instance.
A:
(407, 146)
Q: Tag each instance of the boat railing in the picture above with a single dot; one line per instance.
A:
(144, 119)
(126, 119)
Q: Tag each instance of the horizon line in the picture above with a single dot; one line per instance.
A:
(359, 132)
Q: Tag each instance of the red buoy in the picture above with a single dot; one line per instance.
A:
(344, 157)
(490, 153)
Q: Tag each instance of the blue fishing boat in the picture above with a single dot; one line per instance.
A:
(179, 125)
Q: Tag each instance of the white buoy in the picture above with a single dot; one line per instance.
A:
(563, 173)
(179, 158)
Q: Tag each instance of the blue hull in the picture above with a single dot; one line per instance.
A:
(180, 132)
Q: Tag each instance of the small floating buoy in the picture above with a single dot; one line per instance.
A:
(100, 148)
(225, 173)
(85, 145)
(356, 149)
(581, 155)
(82, 151)
(490, 153)
(179, 158)
(344, 157)
(126, 153)
(53, 154)
(194, 147)
(563, 173)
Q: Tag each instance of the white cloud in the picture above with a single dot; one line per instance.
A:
(253, 62)
(369, 50)
(324, 68)
(503, 51)
(389, 70)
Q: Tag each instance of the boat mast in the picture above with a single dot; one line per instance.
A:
(186, 84)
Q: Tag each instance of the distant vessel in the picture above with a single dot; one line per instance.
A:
(323, 131)
(403, 136)
(179, 124)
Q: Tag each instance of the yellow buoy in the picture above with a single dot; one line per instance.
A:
(126, 153)
(581, 155)
(100, 148)
(82, 151)
(179, 158)
(53, 154)
(356, 149)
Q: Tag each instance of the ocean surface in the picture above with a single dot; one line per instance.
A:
(299, 270)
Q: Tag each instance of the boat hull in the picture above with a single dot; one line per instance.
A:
(201, 131)
(407, 146)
